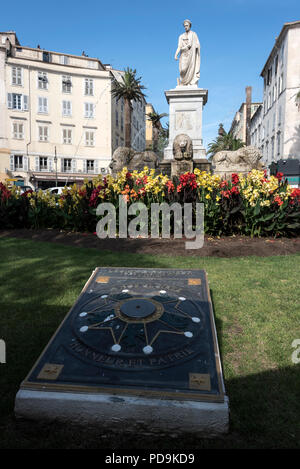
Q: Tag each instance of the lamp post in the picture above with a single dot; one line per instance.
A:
(55, 161)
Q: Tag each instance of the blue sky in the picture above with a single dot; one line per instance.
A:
(236, 37)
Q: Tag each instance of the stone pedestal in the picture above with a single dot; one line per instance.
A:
(138, 351)
(181, 167)
(185, 117)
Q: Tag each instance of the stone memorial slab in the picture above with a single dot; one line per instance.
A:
(138, 347)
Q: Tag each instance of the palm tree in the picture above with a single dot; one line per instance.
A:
(130, 89)
(154, 117)
(224, 141)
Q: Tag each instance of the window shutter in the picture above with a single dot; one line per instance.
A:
(25, 165)
(50, 164)
(14, 75)
(37, 163)
(96, 166)
(9, 101)
(40, 105)
(12, 163)
(62, 165)
(73, 165)
(25, 102)
(84, 164)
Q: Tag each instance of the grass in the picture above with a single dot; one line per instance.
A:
(256, 305)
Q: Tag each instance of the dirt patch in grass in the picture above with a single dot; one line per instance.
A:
(238, 246)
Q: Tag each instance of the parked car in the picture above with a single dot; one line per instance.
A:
(55, 190)
(25, 188)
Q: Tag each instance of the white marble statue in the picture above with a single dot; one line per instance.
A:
(189, 61)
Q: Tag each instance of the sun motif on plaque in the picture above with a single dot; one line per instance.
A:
(141, 326)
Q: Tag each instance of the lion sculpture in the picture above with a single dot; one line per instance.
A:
(133, 160)
(242, 160)
(182, 147)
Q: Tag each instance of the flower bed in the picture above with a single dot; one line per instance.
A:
(249, 205)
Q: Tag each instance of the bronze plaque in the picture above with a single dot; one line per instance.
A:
(200, 381)
(50, 371)
(194, 281)
(148, 332)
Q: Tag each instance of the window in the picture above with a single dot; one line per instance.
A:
(66, 84)
(67, 136)
(88, 110)
(18, 162)
(276, 64)
(269, 77)
(90, 166)
(43, 105)
(89, 139)
(67, 164)
(16, 76)
(89, 87)
(64, 60)
(117, 119)
(18, 102)
(66, 108)
(43, 133)
(18, 130)
(46, 57)
(43, 163)
(279, 115)
(272, 148)
(42, 81)
(278, 143)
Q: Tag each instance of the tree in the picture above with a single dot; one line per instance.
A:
(157, 128)
(224, 141)
(130, 89)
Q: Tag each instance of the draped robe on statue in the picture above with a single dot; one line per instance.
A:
(189, 62)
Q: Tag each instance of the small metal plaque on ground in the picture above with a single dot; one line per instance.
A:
(138, 345)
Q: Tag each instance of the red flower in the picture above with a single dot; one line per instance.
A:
(223, 184)
(170, 186)
(128, 175)
(225, 194)
(235, 178)
(188, 179)
(278, 200)
(295, 196)
(279, 176)
(234, 190)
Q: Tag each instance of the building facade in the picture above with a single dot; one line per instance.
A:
(240, 126)
(280, 114)
(59, 122)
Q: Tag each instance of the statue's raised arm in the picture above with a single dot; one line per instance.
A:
(189, 61)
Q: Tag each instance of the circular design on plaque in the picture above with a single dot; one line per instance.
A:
(139, 310)
(84, 328)
(116, 348)
(83, 314)
(188, 334)
(147, 349)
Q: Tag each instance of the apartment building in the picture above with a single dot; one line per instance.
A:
(59, 122)
(280, 114)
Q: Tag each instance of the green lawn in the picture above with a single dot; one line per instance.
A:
(256, 304)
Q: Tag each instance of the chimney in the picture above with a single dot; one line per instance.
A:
(248, 113)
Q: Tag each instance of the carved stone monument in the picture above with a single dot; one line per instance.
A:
(186, 101)
(137, 351)
(243, 160)
(133, 160)
(183, 155)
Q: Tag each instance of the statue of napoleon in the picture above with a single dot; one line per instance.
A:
(189, 62)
